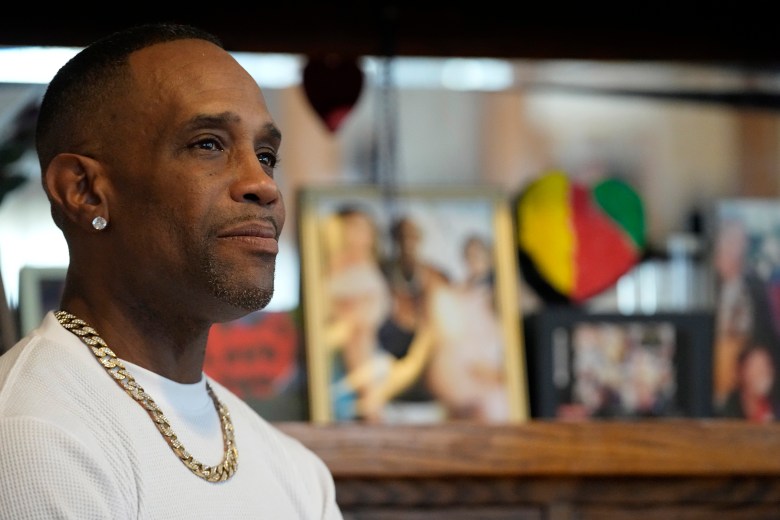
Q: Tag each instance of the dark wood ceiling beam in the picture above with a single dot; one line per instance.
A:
(480, 29)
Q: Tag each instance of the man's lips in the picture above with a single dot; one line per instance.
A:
(258, 235)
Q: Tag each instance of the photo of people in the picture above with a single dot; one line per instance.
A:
(405, 321)
(747, 336)
(618, 369)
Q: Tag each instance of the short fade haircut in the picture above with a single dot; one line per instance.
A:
(89, 79)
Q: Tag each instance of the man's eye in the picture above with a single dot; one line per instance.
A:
(209, 144)
(270, 159)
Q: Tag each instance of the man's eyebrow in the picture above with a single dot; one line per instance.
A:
(272, 131)
(225, 119)
(208, 120)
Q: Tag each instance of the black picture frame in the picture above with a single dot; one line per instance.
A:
(8, 322)
(40, 290)
(550, 348)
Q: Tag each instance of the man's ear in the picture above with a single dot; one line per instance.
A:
(75, 185)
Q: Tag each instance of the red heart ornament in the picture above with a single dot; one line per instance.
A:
(332, 85)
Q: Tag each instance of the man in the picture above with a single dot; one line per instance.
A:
(157, 153)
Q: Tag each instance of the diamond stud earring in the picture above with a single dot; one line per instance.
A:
(99, 223)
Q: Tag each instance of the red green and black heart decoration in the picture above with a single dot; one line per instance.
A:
(576, 240)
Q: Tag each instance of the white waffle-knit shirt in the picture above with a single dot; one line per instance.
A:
(75, 445)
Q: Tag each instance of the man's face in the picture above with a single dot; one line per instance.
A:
(194, 210)
(409, 238)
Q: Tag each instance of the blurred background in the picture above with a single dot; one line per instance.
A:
(684, 109)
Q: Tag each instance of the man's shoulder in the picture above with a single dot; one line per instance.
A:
(38, 376)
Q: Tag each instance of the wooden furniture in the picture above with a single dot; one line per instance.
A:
(660, 469)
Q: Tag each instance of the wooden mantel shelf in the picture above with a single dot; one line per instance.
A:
(668, 448)
(687, 469)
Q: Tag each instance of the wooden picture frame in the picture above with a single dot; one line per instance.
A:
(585, 366)
(377, 350)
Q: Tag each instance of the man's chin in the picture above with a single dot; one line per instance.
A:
(239, 303)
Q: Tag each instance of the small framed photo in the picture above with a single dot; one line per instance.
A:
(40, 290)
(587, 366)
(411, 305)
(259, 358)
(746, 261)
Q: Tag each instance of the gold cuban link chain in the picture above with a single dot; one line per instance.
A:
(117, 370)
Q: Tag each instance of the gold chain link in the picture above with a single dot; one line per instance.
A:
(117, 370)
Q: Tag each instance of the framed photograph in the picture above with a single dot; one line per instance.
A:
(260, 358)
(8, 325)
(746, 261)
(411, 305)
(587, 366)
(40, 290)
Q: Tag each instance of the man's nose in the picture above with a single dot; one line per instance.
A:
(254, 182)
